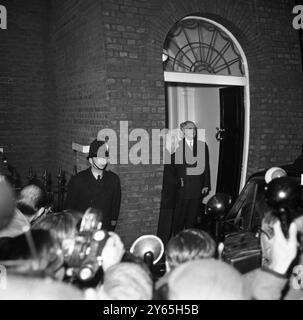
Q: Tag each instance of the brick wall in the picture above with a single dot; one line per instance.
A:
(104, 65)
(122, 40)
(78, 75)
(25, 112)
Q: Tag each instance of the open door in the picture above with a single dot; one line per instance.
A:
(230, 135)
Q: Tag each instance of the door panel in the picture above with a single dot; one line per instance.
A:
(231, 140)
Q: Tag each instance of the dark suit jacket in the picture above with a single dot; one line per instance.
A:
(192, 168)
(85, 191)
(172, 189)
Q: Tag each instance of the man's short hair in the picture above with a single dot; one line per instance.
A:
(62, 225)
(187, 245)
(207, 279)
(31, 199)
(128, 281)
(17, 248)
(48, 253)
(184, 124)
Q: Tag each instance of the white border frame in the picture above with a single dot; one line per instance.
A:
(223, 80)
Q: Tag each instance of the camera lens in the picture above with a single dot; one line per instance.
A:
(99, 235)
(85, 273)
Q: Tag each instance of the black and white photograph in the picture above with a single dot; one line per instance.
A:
(151, 152)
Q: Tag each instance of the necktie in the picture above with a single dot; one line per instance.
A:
(99, 178)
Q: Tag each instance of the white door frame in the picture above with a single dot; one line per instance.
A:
(224, 81)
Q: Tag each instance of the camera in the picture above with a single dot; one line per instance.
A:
(84, 256)
(284, 197)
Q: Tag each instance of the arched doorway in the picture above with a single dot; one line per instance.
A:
(207, 81)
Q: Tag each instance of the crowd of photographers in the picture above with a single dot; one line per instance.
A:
(38, 251)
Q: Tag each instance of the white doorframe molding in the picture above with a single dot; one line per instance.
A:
(181, 103)
(191, 114)
(197, 78)
(170, 115)
(226, 81)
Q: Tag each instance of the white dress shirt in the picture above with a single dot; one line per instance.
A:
(190, 143)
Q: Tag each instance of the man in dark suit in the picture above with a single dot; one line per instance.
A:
(185, 182)
(96, 187)
(168, 198)
(192, 178)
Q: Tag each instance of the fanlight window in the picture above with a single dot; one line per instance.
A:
(195, 45)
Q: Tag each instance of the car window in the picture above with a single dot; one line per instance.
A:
(242, 212)
(249, 208)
